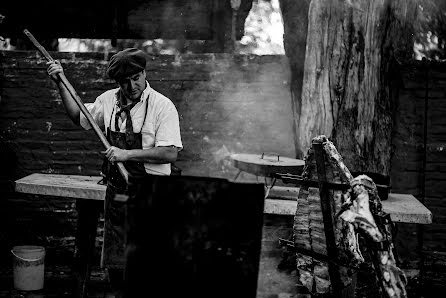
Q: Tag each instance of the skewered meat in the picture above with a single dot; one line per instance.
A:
(357, 213)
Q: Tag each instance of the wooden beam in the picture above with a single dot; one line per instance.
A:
(404, 208)
(327, 217)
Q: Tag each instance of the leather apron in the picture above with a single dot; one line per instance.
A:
(114, 214)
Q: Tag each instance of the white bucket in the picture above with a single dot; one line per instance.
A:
(28, 267)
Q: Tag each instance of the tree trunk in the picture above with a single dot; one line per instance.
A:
(295, 23)
(350, 54)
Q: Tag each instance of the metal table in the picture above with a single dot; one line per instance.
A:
(266, 165)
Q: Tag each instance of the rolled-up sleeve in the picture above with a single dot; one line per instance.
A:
(96, 110)
(168, 128)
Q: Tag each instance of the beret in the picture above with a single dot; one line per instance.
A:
(126, 63)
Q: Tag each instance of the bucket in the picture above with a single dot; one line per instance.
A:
(28, 267)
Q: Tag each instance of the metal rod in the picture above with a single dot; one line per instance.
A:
(79, 102)
(298, 180)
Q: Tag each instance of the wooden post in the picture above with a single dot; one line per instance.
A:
(329, 223)
(295, 25)
(87, 222)
(235, 5)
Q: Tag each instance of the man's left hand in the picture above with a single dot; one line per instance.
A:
(115, 154)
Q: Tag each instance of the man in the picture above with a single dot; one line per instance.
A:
(142, 127)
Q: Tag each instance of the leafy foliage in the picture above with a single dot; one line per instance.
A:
(263, 36)
(263, 29)
(430, 37)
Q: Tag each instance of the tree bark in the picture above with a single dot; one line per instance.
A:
(295, 23)
(351, 50)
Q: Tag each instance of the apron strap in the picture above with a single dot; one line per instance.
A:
(145, 115)
(111, 117)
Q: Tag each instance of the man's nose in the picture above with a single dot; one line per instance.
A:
(132, 85)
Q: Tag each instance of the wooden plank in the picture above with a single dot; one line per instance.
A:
(281, 200)
(401, 207)
(71, 186)
(406, 208)
(277, 206)
(283, 193)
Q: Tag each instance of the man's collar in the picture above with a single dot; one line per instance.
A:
(144, 95)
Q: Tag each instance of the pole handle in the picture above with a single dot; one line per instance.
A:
(78, 101)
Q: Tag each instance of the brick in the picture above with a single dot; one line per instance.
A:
(240, 102)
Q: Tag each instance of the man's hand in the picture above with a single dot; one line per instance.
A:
(114, 154)
(54, 67)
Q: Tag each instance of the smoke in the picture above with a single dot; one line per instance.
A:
(244, 108)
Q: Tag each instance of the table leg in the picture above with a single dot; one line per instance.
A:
(268, 188)
(87, 222)
(238, 174)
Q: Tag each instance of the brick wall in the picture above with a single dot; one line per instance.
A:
(235, 104)
(239, 104)
(421, 83)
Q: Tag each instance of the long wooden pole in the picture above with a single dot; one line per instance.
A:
(329, 223)
(79, 102)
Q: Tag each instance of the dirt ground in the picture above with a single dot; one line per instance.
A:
(272, 282)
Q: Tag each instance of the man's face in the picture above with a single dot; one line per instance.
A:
(133, 86)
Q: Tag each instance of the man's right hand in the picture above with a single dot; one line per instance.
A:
(54, 67)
